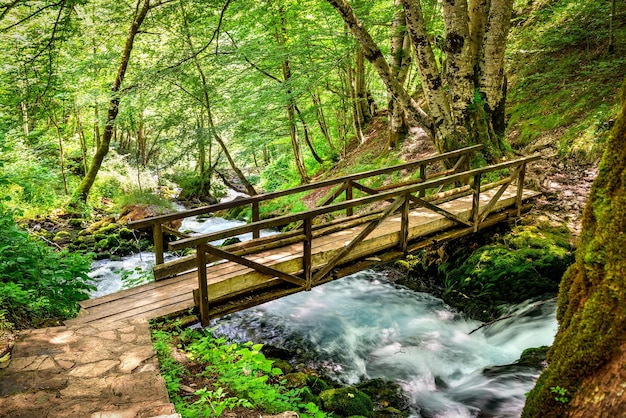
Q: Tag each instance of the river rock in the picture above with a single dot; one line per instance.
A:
(347, 401)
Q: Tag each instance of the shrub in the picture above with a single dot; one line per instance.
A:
(36, 282)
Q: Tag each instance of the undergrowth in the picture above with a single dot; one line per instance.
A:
(233, 375)
(563, 79)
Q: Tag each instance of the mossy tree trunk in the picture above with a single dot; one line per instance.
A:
(589, 352)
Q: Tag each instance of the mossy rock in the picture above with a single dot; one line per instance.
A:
(62, 237)
(126, 233)
(316, 384)
(295, 380)
(283, 365)
(526, 263)
(75, 222)
(386, 394)
(347, 401)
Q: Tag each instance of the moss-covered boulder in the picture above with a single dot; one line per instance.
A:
(526, 263)
(388, 397)
(347, 401)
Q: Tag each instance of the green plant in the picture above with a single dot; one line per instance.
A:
(36, 282)
(136, 277)
(560, 394)
(214, 402)
(240, 376)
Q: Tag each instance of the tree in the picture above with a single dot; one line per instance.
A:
(82, 192)
(465, 96)
(586, 362)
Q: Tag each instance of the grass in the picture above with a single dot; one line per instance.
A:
(563, 82)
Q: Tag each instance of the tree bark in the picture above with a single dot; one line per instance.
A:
(467, 93)
(321, 120)
(82, 192)
(399, 62)
(589, 351)
(373, 54)
(307, 140)
(280, 36)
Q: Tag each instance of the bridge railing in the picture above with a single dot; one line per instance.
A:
(427, 194)
(347, 187)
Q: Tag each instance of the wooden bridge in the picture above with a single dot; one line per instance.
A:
(364, 220)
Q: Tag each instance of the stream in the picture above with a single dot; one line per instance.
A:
(364, 326)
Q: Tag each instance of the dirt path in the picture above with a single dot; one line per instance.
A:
(95, 371)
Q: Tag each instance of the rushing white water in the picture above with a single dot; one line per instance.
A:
(363, 326)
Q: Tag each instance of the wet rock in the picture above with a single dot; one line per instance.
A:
(347, 401)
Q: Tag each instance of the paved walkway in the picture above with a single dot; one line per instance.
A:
(96, 371)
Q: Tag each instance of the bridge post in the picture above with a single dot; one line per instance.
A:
(306, 252)
(404, 224)
(203, 299)
(157, 237)
(520, 188)
(475, 214)
(255, 217)
(422, 192)
(349, 211)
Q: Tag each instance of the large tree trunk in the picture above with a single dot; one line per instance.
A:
(466, 94)
(589, 352)
(82, 192)
(281, 39)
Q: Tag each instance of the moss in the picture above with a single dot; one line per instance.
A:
(316, 384)
(525, 263)
(592, 297)
(295, 380)
(347, 401)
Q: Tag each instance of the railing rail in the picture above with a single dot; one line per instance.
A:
(348, 184)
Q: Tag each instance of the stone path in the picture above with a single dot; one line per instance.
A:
(97, 370)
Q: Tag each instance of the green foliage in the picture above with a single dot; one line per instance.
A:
(527, 262)
(37, 283)
(560, 394)
(563, 80)
(135, 277)
(240, 376)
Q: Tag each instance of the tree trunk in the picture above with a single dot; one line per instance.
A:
(61, 151)
(307, 140)
(373, 54)
(360, 89)
(83, 140)
(321, 120)
(207, 104)
(589, 351)
(399, 64)
(286, 69)
(82, 192)
(141, 142)
(466, 94)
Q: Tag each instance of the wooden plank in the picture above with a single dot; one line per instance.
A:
(203, 295)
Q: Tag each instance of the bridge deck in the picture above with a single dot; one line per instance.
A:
(228, 280)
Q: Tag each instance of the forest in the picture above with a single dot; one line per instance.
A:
(106, 107)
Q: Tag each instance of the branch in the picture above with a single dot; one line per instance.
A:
(490, 323)
(33, 14)
(253, 65)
